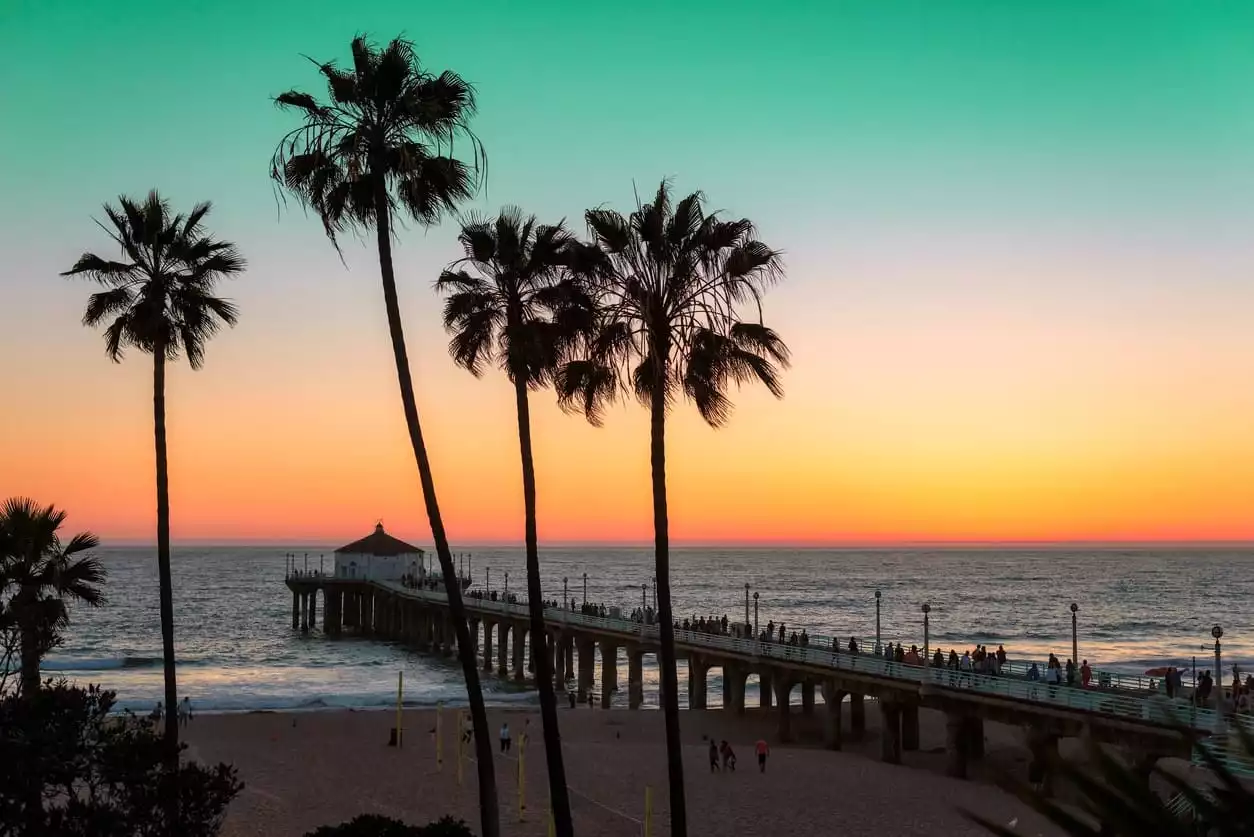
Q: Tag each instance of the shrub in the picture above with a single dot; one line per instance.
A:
(373, 825)
(69, 769)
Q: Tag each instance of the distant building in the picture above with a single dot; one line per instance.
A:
(378, 557)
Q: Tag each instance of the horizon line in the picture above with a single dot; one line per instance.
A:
(750, 544)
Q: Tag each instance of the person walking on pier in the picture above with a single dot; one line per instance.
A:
(714, 768)
(763, 750)
(729, 757)
(505, 738)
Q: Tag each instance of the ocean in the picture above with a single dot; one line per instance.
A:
(237, 652)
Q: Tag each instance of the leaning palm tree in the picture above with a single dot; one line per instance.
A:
(159, 299)
(380, 148)
(510, 305)
(670, 283)
(42, 576)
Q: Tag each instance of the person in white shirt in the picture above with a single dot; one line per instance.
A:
(505, 738)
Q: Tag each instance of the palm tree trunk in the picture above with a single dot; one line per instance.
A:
(166, 584)
(489, 816)
(29, 651)
(559, 796)
(666, 622)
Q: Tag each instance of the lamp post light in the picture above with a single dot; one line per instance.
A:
(755, 616)
(507, 584)
(320, 559)
(487, 580)
(585, 589)
(655, 594)
(565, 596)
(644, 589)
(1217, 632)
(927, 636)
(746, 603)
(306, 562)
(877, 621)
(1075, 642)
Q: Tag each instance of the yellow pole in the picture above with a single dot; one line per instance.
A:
(400, 692)
(461, 740)
(552, 826)
(648, 811)
(439, 738)
(522, 780)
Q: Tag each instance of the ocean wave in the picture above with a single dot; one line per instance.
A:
(102, 664)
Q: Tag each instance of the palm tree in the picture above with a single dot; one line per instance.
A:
(374, 151)
(43, 574)
(159, 299)
(517, 311)
(670, 282)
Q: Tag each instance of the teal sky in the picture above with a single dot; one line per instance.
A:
(970, 194)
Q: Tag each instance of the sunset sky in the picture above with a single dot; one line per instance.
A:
(1019, 245)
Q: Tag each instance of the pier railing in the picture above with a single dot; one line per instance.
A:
(1158, 710)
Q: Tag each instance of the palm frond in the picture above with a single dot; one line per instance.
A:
(162, 300)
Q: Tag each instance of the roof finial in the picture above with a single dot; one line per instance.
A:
(378, 527)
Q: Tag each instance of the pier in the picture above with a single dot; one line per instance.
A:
(1146, 729)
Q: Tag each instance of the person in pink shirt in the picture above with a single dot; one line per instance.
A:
(763, 751)
(1086, 674)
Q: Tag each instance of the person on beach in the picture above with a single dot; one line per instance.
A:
(714, 768)
(468, 729)
(505, 739)
(1086, 676)
(571, 695)
(763, 750)
(185, 711)
(729, 757)
(156, 714)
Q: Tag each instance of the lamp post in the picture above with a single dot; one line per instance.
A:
(655, 594)
(877, 621)
(585, 589)
(306, 562)
(1075, 642)
(1217, 632)
(755, 616)
(746, 603)
(507, 584)
(469, 558)
(927, 637)
(565, 597)
(644, 589)
(320, 559)
(487, 580)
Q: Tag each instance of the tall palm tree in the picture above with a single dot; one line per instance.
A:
(381, 146)
(159, 299)
(514, 308)
(670, 283)
(43, 575)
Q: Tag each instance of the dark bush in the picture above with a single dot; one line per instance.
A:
(69, 769)
(373, 825)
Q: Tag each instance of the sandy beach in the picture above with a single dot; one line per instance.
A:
(302, 770)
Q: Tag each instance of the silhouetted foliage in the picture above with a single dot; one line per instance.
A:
(379, 148)
(373, 825)
(1118, 800)
(68, 769)
(669, 282)
(39, 577)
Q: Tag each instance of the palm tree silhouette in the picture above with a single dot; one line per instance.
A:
(670, 283)
(516, 310)
(159, 299)
(373, 151)
(43, 574)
